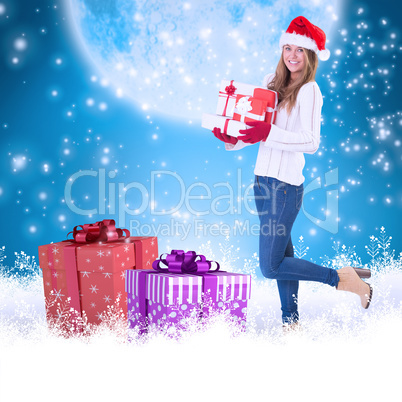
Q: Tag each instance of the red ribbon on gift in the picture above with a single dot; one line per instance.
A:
(225, 127)
(102, 231)
(229, 93)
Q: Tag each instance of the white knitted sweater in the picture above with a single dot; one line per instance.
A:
(281, 155)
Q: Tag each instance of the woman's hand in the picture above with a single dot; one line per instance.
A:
(224, 137)
(259, 131)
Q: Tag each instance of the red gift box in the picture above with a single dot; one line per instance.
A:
(272, 102)
(81, 280)
(228, 98)
(249, 108)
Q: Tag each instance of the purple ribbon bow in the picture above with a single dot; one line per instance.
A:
(180, 262)
(177, 262)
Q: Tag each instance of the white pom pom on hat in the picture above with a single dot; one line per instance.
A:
(301, 32)
(324, 54)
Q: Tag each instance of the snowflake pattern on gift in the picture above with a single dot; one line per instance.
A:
(94, 289)
(101, 279)
(57, 295)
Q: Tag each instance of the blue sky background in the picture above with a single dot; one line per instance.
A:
(49, 131)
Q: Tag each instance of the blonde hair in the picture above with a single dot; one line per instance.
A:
(287, 91)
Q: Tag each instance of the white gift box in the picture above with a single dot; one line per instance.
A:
(227, 96)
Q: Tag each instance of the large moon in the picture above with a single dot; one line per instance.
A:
(170, 56)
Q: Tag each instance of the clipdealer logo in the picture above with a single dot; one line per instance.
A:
(236, 199)
(117, 199)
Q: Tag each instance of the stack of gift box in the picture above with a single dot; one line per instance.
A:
(240, 103)
(104, 266)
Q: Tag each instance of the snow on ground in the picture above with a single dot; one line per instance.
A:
(342, 352)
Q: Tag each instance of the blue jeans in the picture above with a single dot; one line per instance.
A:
(278, 204)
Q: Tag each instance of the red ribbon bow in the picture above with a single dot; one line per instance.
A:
(230, 89)
(102, 231)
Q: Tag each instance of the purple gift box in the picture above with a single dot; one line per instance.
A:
(158, 298)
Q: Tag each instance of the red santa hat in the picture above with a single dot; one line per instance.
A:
(303, 33)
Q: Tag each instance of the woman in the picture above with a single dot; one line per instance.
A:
(278, 186)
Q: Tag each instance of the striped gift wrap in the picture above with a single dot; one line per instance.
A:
(164, 298)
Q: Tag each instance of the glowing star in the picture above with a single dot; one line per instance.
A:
(93, 289)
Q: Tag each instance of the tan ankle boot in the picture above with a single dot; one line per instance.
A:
(350, 282)
(291, 328)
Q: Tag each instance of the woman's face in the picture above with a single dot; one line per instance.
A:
(294, 59)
